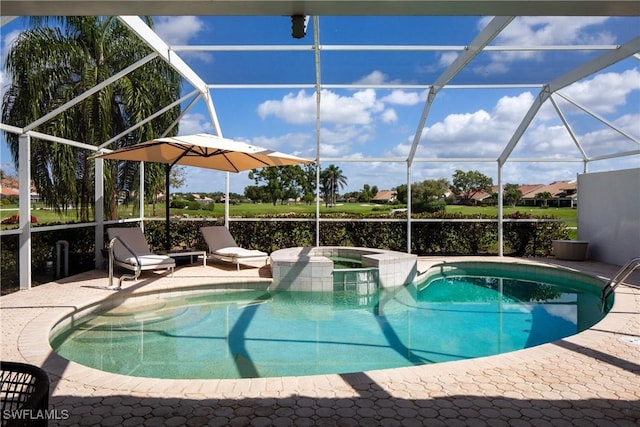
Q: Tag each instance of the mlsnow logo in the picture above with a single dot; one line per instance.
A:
(34, 414)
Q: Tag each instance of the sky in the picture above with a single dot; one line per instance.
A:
(368, 122)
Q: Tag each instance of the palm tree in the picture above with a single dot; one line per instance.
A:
(50, 65)
(332, 180)
(544, 196)
(512, 194)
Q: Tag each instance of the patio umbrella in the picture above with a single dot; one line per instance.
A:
(204, 151)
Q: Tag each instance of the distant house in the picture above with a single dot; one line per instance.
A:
(563, 193)
(9, 188)
(483, 196)
(385, 196)
(527, 190)
(203, 200)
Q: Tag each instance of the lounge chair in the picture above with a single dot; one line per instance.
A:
(223, 247)
(131, 251)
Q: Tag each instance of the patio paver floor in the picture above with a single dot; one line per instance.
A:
(592, 378)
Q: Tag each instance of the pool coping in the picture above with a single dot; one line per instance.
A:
(601, 351)
(311, 269)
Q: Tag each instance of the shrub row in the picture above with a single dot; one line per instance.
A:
(428, 238)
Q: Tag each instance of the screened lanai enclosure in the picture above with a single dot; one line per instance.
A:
(396, 91)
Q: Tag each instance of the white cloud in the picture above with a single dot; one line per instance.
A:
(352, 126)
(474, 134)
(605, 92)
(195, 123)
(456, 125)
(5, 81)
(389, 116)
(340, 140)
(547, 141)
(444, 59)
(545, 30)
(603, 140)
(181, 30)
(297, 108)
(400, 150)
(5, 78)
(178, 30)
(7, 41)
(484, 133)
(333, 150)
(376, 77)
(629, 123)
(401, 97)
(300, 108)
(511, 108)
(541, 31)
(498, 66)
(292, 143)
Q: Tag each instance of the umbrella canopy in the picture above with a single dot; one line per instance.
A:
(204, 151)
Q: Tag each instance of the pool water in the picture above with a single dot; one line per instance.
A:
(344, 262)
(267, 334)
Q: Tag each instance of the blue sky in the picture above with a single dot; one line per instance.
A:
(381, 123)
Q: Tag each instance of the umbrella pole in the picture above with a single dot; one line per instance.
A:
(167, 242)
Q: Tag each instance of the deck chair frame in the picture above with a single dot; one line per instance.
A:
(128, 248)
(222, 246)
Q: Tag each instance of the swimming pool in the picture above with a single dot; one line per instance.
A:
(452, 313)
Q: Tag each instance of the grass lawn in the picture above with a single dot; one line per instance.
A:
(560, 213)
(47, 216)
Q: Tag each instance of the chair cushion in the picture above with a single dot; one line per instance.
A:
(156, 261)
(239, 252)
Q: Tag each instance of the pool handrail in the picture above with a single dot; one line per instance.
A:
(138, 268)
(622, 275)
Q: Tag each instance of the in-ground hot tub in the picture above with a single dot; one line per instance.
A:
(312, 268)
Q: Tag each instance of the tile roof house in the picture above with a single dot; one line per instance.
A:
(528, 189)
(564, 193)
(9, 187)
(203, 200)
(385, 196)
(482, 196)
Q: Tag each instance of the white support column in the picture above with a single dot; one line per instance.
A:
(99, 211)
(318, 88)
(213, 115)
(408, 208)
(226, 199)
(218, 131)
(141, 203)
(500, 212)
(317, 197)
(24, 174)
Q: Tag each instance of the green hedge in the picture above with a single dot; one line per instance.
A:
(43, 255)
(428, 238)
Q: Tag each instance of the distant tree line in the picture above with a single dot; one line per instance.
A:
(295, 183)
(283, 184)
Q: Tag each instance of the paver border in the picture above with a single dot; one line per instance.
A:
(33, 346)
